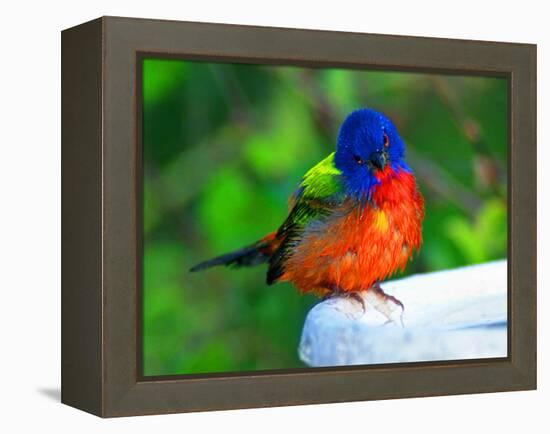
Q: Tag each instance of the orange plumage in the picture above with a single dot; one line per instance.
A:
(362, 246)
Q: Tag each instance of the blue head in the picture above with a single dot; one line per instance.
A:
(367, 143)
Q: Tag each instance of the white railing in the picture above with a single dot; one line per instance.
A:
(449, 315)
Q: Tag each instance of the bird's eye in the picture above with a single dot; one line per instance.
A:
(386, 140)
(358, 159)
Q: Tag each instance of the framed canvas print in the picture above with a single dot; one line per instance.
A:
(260, 216)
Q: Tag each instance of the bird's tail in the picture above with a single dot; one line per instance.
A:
(248, 256)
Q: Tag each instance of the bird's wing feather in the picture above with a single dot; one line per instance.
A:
(318, 194)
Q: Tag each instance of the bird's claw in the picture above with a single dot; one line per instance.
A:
(377, 298)
(385, 304)
(336, 292)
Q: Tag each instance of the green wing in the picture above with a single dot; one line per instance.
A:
(318, 194)
(322, 180)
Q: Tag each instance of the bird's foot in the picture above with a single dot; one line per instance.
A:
(387, 305)
(337, 292)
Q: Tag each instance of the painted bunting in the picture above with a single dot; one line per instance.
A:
(355, 219)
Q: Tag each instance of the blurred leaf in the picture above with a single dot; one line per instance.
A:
(341, 90)
(285, 141)
(485, 238)
(160, 76)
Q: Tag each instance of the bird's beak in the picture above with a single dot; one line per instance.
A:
(378, 159)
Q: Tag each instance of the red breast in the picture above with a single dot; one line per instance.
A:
(362, 246)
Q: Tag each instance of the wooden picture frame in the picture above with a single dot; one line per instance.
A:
(101, 219)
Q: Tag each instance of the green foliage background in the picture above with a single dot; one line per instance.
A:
(224, 145)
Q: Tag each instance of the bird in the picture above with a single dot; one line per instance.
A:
(354, 220)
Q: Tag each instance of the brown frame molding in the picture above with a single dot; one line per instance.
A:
(101, 203)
